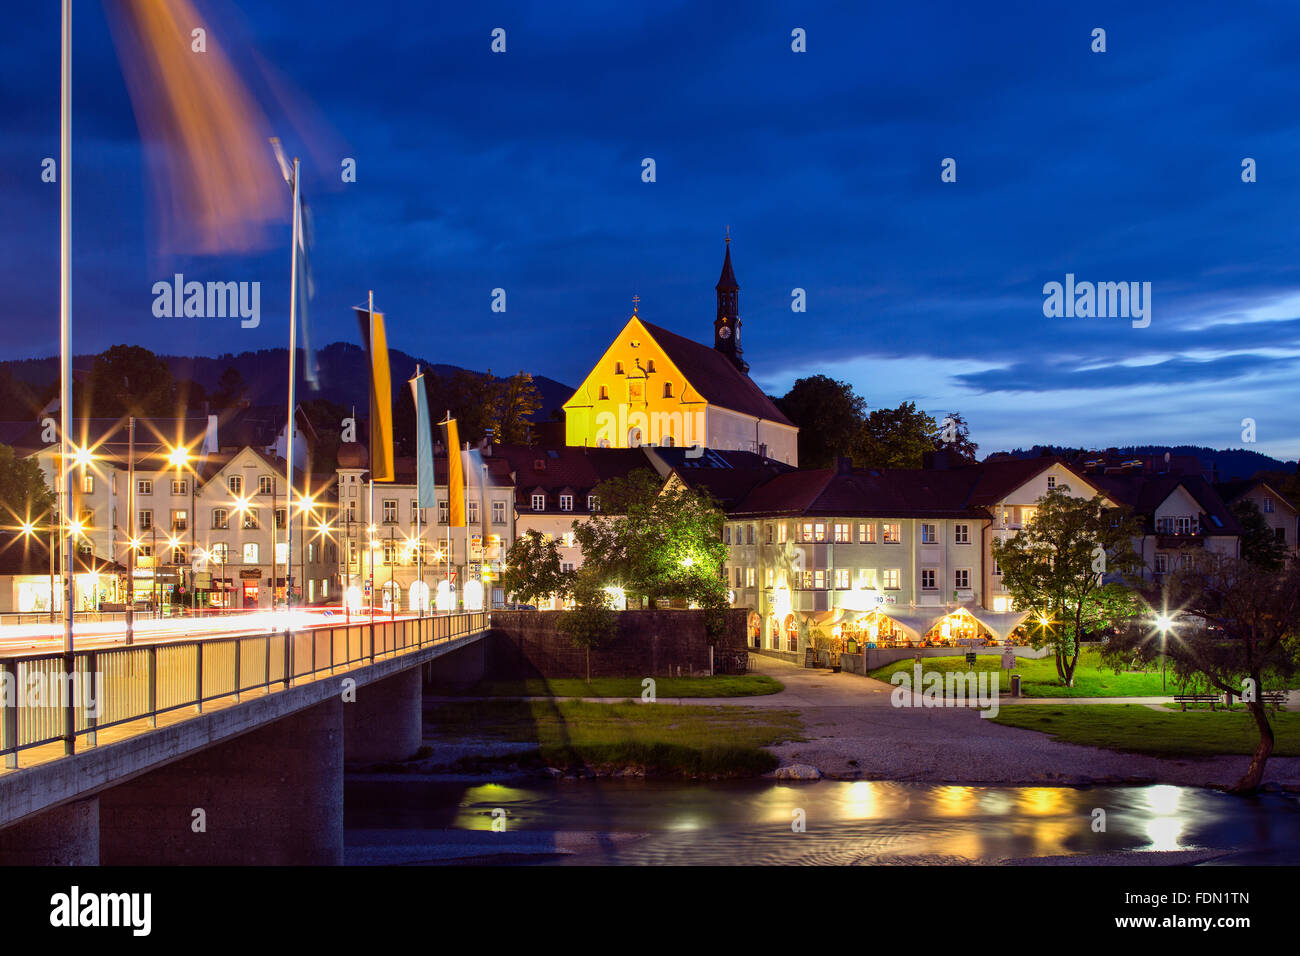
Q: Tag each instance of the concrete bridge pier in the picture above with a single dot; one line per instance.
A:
(385, 722)
(272, 796)
(64, 836)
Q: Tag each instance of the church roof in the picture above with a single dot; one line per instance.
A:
(712, 375)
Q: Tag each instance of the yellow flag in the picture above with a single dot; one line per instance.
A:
(381, 396)
(455, 475)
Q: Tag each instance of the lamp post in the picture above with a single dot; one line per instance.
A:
(1164, 624)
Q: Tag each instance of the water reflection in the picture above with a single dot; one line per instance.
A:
(640, 821)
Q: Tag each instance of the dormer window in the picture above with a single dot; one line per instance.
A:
(539, 502)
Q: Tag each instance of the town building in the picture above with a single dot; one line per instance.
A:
(1279, 514)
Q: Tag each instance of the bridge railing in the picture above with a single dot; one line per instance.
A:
(43, 700)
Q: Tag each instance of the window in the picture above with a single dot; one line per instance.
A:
(143, 520)
(444, 511)
(250, 553)
(604, 392)
(220, 518)
(842, 533)
(179, 486)
(780, 533)
(250, 519)
(962, 579)
(88, 519)
(390, 511)
(417, 513)
(1280, 535)
(279, 518)
(566, 566)
(726, 534)
(841, 579)
(929, 534)
(866, 533)
(1027, 515)
(618, 368)
(1268, 506)
(650, 365)
(867, 578)
(389, 552)
(352, 511)
(498, 512)
(592, 502)
(220, 553)
(819, 580)
(997, 568)
(889, 534)
(282, 552)
(88, 485)
(814, 531)
(145, 550)
(1051, 482)
(1162, 563)
(236, 485)
(749, 577)
(180, 520)
(749, 534)
(143, 486)
(471, 512)
(264, 484)
(739, 576)
(539, 502)
(768, 575)
(927, 579)
(566, 502)
(961, 533)
(891, 579)
(668, 389)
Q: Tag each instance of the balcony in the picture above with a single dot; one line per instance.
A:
(1180, 539)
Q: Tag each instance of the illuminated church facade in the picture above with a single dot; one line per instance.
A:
(655, 387)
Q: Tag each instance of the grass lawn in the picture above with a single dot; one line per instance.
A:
(745, 685)
(1136, 728)
(660, 739)
(1038, 678)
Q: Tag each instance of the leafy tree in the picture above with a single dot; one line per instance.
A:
(517, 400)
(655, 542)
(1237, 624)
(592, 620)
(1258, 543)
(24, 494)
(533, 569)
(129, 380)
(1058, 566)
(954, 435)
(896, 438)
(830, 416)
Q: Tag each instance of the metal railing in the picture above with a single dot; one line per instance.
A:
(49, 698)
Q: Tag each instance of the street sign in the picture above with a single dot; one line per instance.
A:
(1008, 658)
(970, 658)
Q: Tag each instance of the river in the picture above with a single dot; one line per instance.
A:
(399, 819)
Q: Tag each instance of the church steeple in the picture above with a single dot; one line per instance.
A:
(726, 327)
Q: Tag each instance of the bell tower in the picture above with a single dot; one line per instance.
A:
(726, 326)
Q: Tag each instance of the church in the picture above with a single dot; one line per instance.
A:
(656, 387)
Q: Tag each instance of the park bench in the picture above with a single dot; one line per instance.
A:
(1186, 699)
(1274, 697)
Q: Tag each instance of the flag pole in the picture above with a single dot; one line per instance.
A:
(370, 508)
(65, 342)
(419, 509)
(288, 445)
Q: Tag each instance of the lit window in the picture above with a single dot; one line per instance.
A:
(841, 579)
(250, 519)
(889, 534)
(250, 553)
(891, 578)
(866, 533)
(591, 502)
(842, 533)
(749, 577)
(819, 580)
(88, 484)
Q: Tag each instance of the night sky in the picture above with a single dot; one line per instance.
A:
(522, 171)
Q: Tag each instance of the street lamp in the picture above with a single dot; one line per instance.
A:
(179, 458)
(1165, 625)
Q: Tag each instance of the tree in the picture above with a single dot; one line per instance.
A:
(1058, 566)
(517, 400)
(129, 380)
(533, 569)
(896, 438)
(592, 620)
(231, 389)
(954, 435)
(1258, 544)
(24, 494)
(1236, 624)
(830, 416)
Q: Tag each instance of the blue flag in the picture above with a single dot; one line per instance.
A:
(424, 479)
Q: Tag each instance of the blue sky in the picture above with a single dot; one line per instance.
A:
(522, 171)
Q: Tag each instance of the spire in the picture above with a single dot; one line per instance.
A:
(726, 327)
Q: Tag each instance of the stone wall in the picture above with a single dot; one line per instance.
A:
(659, 643)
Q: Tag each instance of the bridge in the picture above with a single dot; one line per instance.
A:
(212, 751)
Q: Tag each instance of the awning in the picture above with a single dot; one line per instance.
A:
(998, 625)
(915, 620)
